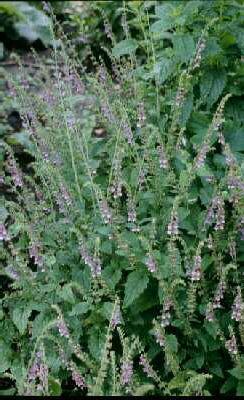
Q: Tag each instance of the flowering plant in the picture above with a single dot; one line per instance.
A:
(122, 251)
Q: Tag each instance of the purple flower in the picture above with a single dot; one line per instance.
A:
(146, 366)
(78, 379)
(173, 226)
(196, 272)
(166, 315)
(15, 173)
(34, 252)
(3, 233)
(163, 162)
(62, 328)
(116, 318)
(128, 132)
(201, 157)
(238, 306)
(105, 212)
(150, 263)
(38, 370)
(131, 214)
(219, 294)
(141, 115)
(209, 313)
(126, 372)
(93, 262)
(231, 345)
(160, 339)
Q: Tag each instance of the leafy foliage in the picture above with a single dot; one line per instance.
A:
(122, 246)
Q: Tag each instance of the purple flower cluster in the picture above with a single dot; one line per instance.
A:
(238, 306)
(196, 272)
(3, 233)
(198, 56)
(62, 328)
(166, 315)
(146, 366)
(93, 262)
(131, 215)
(107, 113)
(141, 115)
(151, 264)
(173, 226)
(15, 173)
(209, 313)
(116, 318)
(38, 370)
(127, 132)
(105, 212)
(116, 187)
(216, 212)
(241, 227)
(219, 294)
(160, 339)
(235, 183)
(231, 345)
(77, 377)
(163, 162)
(34, 252)
(126, 372)
(63, 199)
(201, 157)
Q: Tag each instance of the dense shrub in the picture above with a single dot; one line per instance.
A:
(122, 246)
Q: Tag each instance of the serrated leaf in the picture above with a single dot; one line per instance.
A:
(136, 283)
(237, 372)
(124, 47)
(212, 85)
(161, 25)
(80, 308)
(67, 294)
(20, 317)
(163, 69)
(112, 275)
(172, 342)
(184, 46)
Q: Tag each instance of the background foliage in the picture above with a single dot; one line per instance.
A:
(122, 219)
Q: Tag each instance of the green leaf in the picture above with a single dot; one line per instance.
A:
(235, 139)
(5, 356)
(22, 138)
(143, 389)
(54, 386)
(3, 214)
(186, 109)
(80, 308)
(240, 388)
(35, 26)
(237, 372)
(161, 25)
(67, 294)
(124, 47)
(184, 46)
(136, 283)
(112, 275)
(229, 385)
(172, 342)
(20, 317)
(163, 69)
(212, 85)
